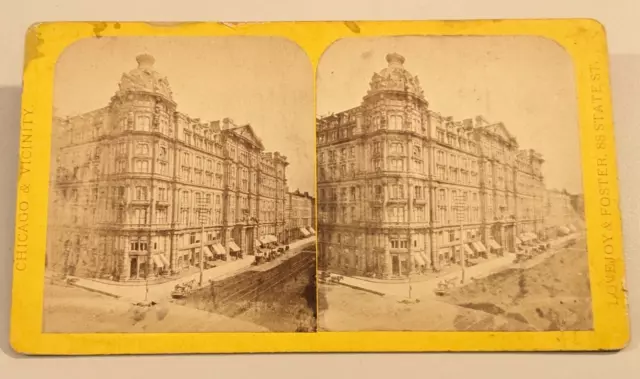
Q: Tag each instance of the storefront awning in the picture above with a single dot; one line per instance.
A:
(233, 247)
(219, 249)
(157, 261)
(257, 243)
(264, 240)
(311, 230)
(164, 260)
(524, 237)
(208, 252)
(479, 247)
(564, 230)
(304, 232)
(494, 245)
(572, 228)
(424, 257)
(272, 238)
(518, 241)
(468, 250)
(532, 236)
(419, 260)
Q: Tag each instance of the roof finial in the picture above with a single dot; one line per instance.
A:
(395, 60)
(145, 60)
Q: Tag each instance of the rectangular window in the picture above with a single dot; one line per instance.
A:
(142, 149)
(141, 193)
(142, 166)
(141, 216)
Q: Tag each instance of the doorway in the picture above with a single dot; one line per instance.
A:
(133, 270)
(395, 265)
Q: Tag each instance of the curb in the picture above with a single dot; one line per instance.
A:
(362, 289)
(96, 291)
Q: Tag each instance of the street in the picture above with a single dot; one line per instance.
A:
(139, 292)
(548, 292)
(69, 309)
(425, 288)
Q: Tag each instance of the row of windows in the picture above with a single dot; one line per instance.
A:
(341, 154)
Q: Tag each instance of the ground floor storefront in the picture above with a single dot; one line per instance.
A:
(401, 252)
(141, 255)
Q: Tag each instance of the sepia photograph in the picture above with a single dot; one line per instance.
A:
(450, 194)
(182, 187)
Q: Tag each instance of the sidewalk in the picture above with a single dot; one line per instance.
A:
(162, 291)
(425, 288)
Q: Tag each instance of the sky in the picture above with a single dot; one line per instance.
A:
(264, 81)
(525, 82)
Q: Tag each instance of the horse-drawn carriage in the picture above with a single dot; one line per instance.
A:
(523, 256)
(327, 278)
(444, 287)
(268, 254)
(183, 290)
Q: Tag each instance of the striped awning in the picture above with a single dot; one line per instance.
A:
(524, 237)
(164, 260)
(257, 243)
(479, 247)
(518, 241)
(219, 249)
(467, 249)
(494, 245)
(233, 247)
(419, 259)
(304, 232)
(157, 261)
(310, 229)
(208, 252)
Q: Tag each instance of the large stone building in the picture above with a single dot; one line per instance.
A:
(135, 180)
(563, 211)
(399, 185)
(300, 208)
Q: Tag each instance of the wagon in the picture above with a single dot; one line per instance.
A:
(180, 291)
(443, 288)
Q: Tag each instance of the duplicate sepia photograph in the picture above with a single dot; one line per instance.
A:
(182, 187)
(450, 186)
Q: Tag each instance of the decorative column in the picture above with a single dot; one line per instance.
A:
(387, 258)
(410, 199)
(126, 269)
(433, 253)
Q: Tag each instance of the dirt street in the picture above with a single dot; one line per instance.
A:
(553, 295)
(69, 309)
(346, 309)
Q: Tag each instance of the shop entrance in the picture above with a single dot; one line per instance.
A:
(395, 265)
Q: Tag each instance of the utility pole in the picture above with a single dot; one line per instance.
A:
(202, 205)
(460, 216)
(201, 254)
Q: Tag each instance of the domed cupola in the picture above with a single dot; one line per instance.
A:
(145, 79)
(395, 78)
